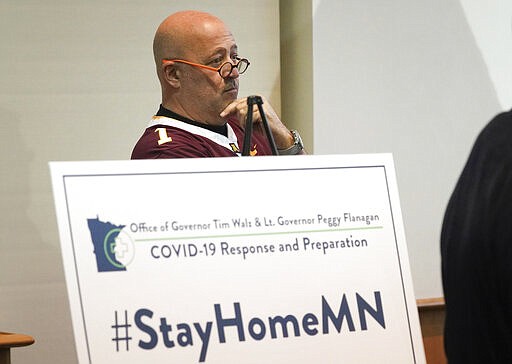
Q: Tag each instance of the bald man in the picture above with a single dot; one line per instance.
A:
(198, 66)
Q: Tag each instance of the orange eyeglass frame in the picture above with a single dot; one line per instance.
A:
(211, 68)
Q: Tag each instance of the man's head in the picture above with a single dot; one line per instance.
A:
(197, 93)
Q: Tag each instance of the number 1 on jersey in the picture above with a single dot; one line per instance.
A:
(162, 135)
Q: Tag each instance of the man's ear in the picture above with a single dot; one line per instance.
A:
(171, 74)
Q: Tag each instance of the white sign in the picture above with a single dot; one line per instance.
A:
(295, 259)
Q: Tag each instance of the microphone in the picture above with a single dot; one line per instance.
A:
(251, 100)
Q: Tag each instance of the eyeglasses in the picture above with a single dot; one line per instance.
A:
(224, 70)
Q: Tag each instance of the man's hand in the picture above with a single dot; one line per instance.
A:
(239, 108)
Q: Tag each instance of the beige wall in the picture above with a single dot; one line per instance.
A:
(418, 79)
(78, 83)
(297, 67)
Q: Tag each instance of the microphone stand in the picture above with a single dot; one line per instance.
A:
(251, 100)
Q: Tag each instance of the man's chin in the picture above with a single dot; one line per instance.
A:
(228, 98)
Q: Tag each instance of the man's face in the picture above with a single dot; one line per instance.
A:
(204, 92)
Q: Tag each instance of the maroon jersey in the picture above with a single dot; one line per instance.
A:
(170, 138)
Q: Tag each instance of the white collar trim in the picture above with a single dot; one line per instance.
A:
(219, 139)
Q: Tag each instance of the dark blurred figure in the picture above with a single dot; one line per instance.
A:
(476, 250)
